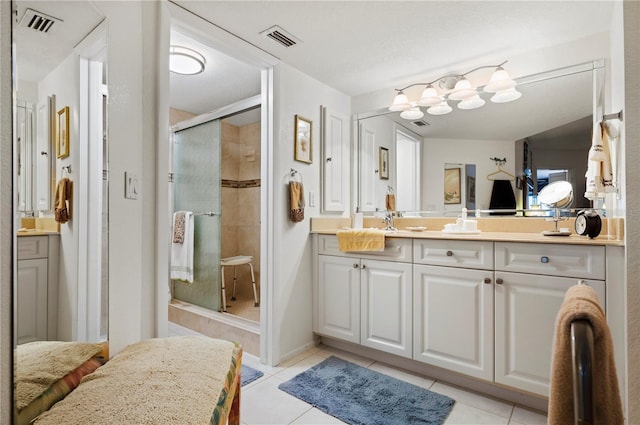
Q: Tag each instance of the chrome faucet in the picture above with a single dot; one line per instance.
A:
(388, 220)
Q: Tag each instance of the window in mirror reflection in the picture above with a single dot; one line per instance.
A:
(408, 160)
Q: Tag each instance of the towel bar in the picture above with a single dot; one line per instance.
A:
(582, 351)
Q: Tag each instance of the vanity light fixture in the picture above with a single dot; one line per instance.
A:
(456, 87)
(412, 114)
(185, 61)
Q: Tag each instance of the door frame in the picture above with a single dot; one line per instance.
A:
(220, 39)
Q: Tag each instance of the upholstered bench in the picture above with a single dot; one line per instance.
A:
(179, 380)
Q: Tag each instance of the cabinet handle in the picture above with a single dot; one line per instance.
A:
(487, 280)
(544, 259)
(449, 254)
(328, 159)
(499, 281)
(355, 265)
(363, 267)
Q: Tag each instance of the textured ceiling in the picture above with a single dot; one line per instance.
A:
(357, 47)
(361, 46)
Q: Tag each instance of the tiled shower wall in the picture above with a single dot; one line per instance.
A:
(241, 200)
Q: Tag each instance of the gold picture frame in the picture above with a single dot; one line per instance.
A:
(302, 139)
(452, 186)
(62, 139)
(383, 159)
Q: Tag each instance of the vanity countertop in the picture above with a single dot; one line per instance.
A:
(491, 229)
(36, 232)
(497, 237)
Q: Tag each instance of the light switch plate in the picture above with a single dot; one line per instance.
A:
(130, 186)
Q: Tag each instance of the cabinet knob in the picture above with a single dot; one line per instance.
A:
(355, 265)
(487, 280)
(363, 267)
(544, 259)
(449, 253)
(328, 159)
(499, 281)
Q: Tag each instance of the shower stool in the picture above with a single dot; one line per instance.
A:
(238, 260)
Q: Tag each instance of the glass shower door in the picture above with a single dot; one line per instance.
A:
(196, 188)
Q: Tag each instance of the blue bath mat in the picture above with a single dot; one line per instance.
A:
(249, 375)
(360, 396)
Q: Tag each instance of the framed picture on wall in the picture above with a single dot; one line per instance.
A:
(302, 140)
(452, 186)
(384, 163)
(63, 132)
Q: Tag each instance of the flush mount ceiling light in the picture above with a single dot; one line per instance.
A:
(456, 87)
(185, 61)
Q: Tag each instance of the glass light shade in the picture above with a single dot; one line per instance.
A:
(471, 103)
(429, 97)
(400, 103)
(412, 114)
(463, 90)
(500, 80)
(440, 109)
(504, 96)
(185, 61)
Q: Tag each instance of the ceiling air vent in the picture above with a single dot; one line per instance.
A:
(281, 36)
(38, 21)
(419, 123)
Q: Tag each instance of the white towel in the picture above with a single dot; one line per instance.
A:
(182, 253)
(599, 176)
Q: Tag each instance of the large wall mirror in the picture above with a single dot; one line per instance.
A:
(61, 285)
(544, 135)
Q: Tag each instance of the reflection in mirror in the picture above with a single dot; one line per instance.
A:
(61, 285)
(531, 134)
(459, 187)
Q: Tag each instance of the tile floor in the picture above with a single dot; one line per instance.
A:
(264, 404)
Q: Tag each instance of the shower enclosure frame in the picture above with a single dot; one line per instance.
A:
(218, 114)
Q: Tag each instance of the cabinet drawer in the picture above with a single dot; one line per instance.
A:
(32, 247)
(395, 249)
(467, 254)
(576, 261)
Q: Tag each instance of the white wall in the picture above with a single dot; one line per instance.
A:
(7, 235)
(626, 96)
(132, 148)
(295, 93)
(64, 82)
(437, 152)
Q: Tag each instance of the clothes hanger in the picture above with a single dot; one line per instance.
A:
(500, 171)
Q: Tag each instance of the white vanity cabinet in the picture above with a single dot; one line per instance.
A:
(530, 284)
(37, 288)
(338, 298)
(484, 309)
(365, 298)
(453, 306)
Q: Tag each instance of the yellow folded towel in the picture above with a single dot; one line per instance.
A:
(361, 240)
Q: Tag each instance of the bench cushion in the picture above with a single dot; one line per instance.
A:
(46, 371)
(178, 380)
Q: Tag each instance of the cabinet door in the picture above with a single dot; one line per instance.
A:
(338, 301)
(32, 300)
(386, 306)
(453, 319)
(335, 154)
(526, 310)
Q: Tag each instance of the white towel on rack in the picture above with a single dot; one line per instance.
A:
(599, 176)
(182, 253)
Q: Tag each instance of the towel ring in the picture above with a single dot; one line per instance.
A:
(293, 176)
